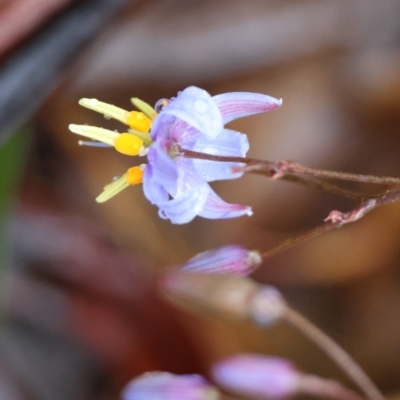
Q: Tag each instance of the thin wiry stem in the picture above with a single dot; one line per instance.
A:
(296, 168)
(277, 170)
(286, 244)
(326, 187)
(335, 352)
(336, 219)
(326, 388)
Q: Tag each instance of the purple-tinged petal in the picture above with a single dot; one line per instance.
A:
(189, 175)
(154, 192)
(186, 206)
(216, 171)
(216, 208)
(188, 178)
(183, 133)
(241, 104)
(161, 126)
(166, 386)
(232, 259)
(195, 107)
(228, 143)
(257, 376)
(163, 169)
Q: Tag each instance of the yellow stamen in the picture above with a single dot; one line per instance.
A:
(145, 108)
(138, 121)
(128, 144)
(145, 136)
(125, 143)
(134, 119)
(112, 189)
(135, 175)
(95, 133)
(107, 109)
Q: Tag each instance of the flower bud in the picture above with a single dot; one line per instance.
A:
(232, 259)
(267, 306)
(257, 376)
(166, 386)
(231, 296)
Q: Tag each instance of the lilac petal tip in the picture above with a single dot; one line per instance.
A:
(242, 104)
(257, 376)
(231, 259)
(216, 208)
(166, 386)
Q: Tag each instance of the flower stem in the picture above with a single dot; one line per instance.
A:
(326, 388)
(336, 219)
(334, 351)
(277, 170)
(298, 239)
(294, 167)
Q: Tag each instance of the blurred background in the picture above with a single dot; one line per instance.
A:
(81, 314)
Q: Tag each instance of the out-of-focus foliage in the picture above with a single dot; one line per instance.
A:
(12, 160)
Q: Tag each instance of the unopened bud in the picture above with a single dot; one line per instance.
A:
(232, 259)
(257, 376)
(267, 306)
(232, 296)
(166, 386)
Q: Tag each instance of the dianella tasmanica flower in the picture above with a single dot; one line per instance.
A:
(193, 121)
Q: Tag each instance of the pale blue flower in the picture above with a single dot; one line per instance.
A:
(195, 121)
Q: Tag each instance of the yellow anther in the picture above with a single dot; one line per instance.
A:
(128, 144)
(95, 133)
(107, 109)
(145, 108)
(134, 175)
(138, 121)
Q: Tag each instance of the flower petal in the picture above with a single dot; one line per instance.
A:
(216, 208)
(241, 104)
(161, 126)
(215, 171)
(231, 259)
(228, 143)
(188, 178)
(196, 107)
(184, 134)
(154, 192)
(185, 207)
(164, 171)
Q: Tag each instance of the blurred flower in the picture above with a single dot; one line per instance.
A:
(166, 386)
(193, 121)
(232, 259)
(228, 295)
(257, 376)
